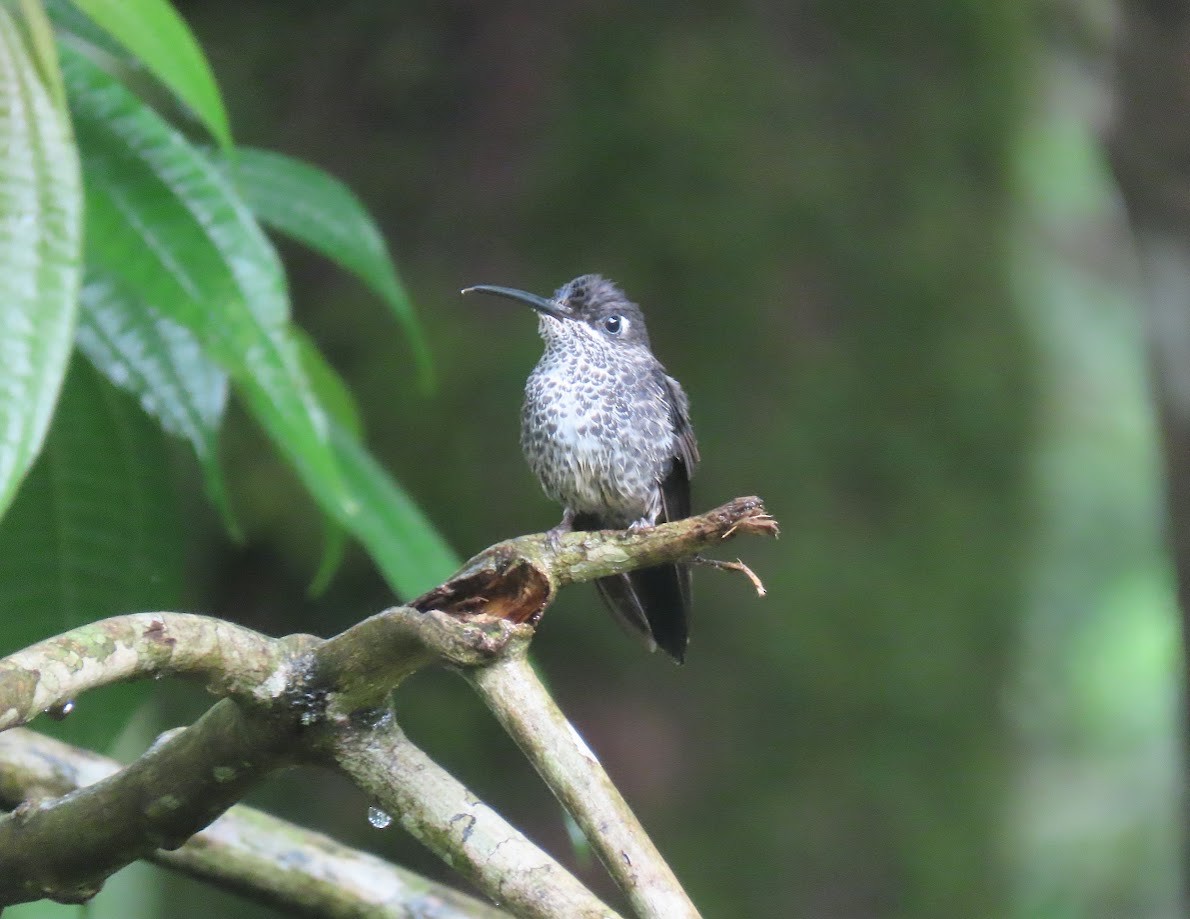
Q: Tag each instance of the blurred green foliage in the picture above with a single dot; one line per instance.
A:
(851, 228)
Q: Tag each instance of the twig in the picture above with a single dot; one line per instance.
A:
(247, 851)
(511, 689)
(737, 565)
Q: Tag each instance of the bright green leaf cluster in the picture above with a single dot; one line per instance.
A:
(122, 237)
(156, 35)
(40, 267)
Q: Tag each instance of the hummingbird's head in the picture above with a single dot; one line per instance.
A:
(589, 305)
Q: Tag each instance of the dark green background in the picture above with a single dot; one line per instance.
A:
(870, 241)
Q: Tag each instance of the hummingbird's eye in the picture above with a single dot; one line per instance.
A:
(614, 324)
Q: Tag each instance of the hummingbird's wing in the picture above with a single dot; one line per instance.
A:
(663, 592)
(675, 505)
(675, 490)
(655, 602)
(685, 445)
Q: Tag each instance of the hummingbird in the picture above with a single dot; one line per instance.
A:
(607, 433)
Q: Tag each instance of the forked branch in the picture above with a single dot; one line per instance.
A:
(300, 699)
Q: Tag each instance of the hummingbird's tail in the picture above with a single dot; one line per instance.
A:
(653, 603)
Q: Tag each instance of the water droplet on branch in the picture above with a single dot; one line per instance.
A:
(59, 712)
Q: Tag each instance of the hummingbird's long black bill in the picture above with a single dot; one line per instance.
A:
(541, 304)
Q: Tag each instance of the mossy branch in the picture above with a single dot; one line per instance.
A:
(300, 699)
(266, 859)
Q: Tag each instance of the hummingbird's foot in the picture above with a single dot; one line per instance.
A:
(644, 523)
(555, 533)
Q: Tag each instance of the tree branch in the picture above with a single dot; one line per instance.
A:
(457, 826)
(187, 779)
(233, 660)
(65, 848)
(512, 690)
(248, 851)
(516, 580)
(510, 583)
(300, 699)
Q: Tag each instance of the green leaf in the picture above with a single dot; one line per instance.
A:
(168, 228)
(44, 51)
(40, 227)
(318, 210)
(333, 394)
(334, 547)
(165, 224)
(154, 32)
(93, 533)
(72, 24)
(339, 403)
(163, 365)
(410, 553)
